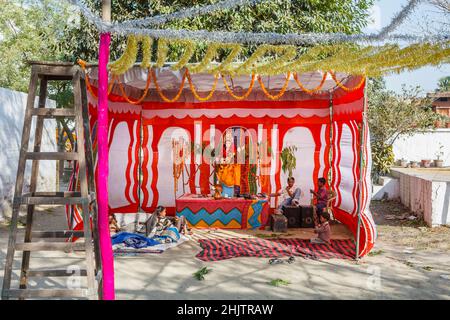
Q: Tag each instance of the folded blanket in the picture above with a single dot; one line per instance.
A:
(169, 235)
(133, 240)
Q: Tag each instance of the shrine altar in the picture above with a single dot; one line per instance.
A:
(226, 213)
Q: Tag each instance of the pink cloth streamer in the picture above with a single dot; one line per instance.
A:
(102, 177)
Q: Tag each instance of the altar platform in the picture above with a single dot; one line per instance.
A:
(226, 213)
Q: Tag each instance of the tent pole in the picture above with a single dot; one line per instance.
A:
(103, 169)
(361, 165)
(330, 152)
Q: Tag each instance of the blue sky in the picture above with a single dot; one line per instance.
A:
(426, 77)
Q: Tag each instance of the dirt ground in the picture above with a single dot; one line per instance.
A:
(409, 261)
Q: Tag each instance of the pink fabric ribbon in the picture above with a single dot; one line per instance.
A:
(102, 177)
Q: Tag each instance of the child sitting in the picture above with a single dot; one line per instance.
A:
(113, 225)
(160, 225)
(323, 230)
(321, 196)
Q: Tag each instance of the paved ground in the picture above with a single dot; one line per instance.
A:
(395, 270)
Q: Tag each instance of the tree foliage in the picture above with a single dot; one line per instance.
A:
(281, 16)
(444, 84)
(392, 115)
(29, 30)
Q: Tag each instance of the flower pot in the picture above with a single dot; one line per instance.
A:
(403, 163)
(426, 163)
(438, 163)
(448, 124)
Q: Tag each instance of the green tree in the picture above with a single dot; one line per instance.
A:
(444, 84)
(392, 115)
(281, 16)
(29, 30)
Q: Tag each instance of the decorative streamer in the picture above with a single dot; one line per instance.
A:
(398, 19)
(187, 13)
(282, 91)
(102, 176)
(160, 93)
(245, 95)
(266, 37)
(194, 91)
(314, 90)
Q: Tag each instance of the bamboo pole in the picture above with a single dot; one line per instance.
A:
(361, 165)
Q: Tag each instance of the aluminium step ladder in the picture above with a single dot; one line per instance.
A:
(57, 240)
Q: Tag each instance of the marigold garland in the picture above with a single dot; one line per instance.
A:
(314, 90)
(194, 91)
(280, 94)
(245, 95)
(347, 89)
(158, 89)
(82, 64)
(144, 94)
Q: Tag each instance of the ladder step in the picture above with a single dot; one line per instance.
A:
(53, 198)
(52, 155)
(55, 72)
(68, 197)
(57, 234)
(50, 246)
(53, 112)
(56, 273)
(47, 293)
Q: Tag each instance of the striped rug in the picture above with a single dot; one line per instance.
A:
(221, 249)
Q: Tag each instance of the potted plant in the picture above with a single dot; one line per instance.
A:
(414, 164)
(403, 163)
(426, 163)
(289, 162)
(438, 162)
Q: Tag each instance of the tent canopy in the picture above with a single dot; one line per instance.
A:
(134, 83)
(326, 127)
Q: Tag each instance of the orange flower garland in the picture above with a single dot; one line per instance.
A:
(280, 94)
(194, 91)
(82, 64)
(310, 91)
(158, 89)
(147, 85)
(151, 74)
(340, 85)
(246, 94)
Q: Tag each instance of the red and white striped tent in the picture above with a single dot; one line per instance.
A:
(327, 126)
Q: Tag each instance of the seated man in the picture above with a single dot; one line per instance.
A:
(321, 196)
(289, 195)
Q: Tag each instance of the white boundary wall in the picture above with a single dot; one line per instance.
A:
(423, 145)
(426, 197)
(12, 110)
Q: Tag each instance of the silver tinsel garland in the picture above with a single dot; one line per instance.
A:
(399, 18)
(186, 13)
(266, 37)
